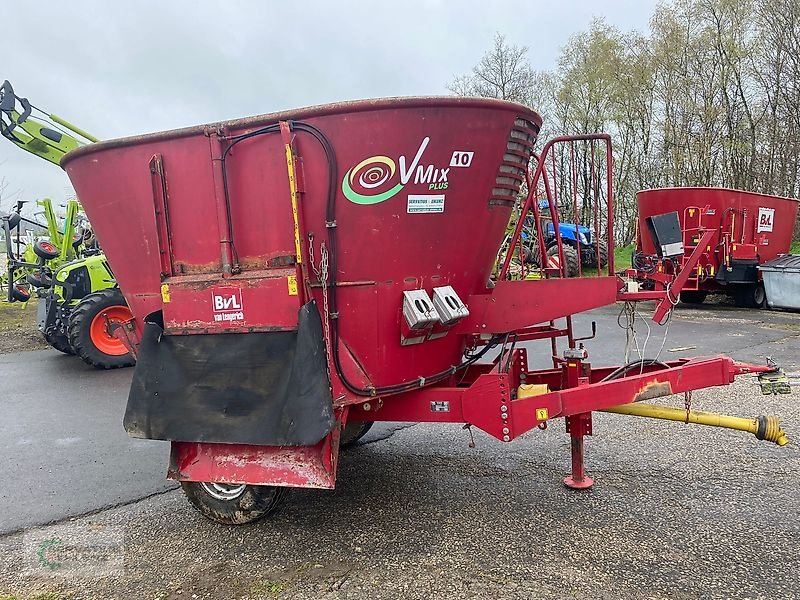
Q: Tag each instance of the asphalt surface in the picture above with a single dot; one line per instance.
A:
(63, 450)
(676, 512)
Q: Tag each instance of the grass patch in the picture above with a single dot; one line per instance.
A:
(622, 260)
(622, 256)
(795, 249)
(14, 315)
(266, 587)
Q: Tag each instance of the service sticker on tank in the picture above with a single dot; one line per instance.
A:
(227, 304)
(425, 203)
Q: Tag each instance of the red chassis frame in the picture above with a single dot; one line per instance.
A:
(483, 395)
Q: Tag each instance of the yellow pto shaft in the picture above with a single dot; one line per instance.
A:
(764, 428)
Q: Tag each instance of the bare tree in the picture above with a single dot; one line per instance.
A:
(503, 72)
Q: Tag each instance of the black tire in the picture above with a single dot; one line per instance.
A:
(80, 334)
(354, 431)
(570, 256)
(46, 250)
(693, 296)
(59, 341)
(532, 253)
(603, 249)
(39, 279)
(19, 293)
(750, 296)
(231, 504)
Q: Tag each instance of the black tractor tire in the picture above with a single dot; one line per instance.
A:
(19, 293)
(602, 247)
(693, 296)
(531, 249)
(79, 330)
(750, 296)
(354, 431)
(45, 250)
(570, 256)
(59, 341)
(39, 279)
(232, 504)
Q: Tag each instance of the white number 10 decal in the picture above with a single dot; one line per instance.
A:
(461, 159)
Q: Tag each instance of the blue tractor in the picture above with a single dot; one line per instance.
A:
(576, 239)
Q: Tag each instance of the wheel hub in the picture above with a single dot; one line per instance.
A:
(223, 491)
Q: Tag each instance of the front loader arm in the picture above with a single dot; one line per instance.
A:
(43, 136)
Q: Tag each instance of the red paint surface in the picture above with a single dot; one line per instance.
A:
(379, 244)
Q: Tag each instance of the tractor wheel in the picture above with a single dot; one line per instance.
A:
(602, 247)
(39, 279)
(46, 250)
(750, 296)
(531, 248)
(89, 332)
(230, 503)
(354, 431)
(693, 296)
(19, 293)
(570, 256)
(59, 341)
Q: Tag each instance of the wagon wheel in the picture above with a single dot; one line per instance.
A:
(231, 503)
(354, 431)
(19, 293)
(39, 279)
(750, 296)
(46, 250)
(693, 296)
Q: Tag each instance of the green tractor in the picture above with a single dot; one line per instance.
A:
(80, 304)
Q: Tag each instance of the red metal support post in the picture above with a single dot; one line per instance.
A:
(577, 427)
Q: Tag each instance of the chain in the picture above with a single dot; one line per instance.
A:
(687, 403)
(311, 255)
(323, 278)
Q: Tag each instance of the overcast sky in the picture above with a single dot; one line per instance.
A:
(122, 68)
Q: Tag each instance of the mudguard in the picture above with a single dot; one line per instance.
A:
(266, 388)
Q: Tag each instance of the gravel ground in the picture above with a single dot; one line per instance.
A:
(18, 330)
(676, 512)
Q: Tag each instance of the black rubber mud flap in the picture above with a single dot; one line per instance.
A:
(265, 388)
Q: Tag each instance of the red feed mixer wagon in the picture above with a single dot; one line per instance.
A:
(296, 276)
(742, 230)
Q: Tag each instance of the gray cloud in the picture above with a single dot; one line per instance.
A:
(118, 69)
